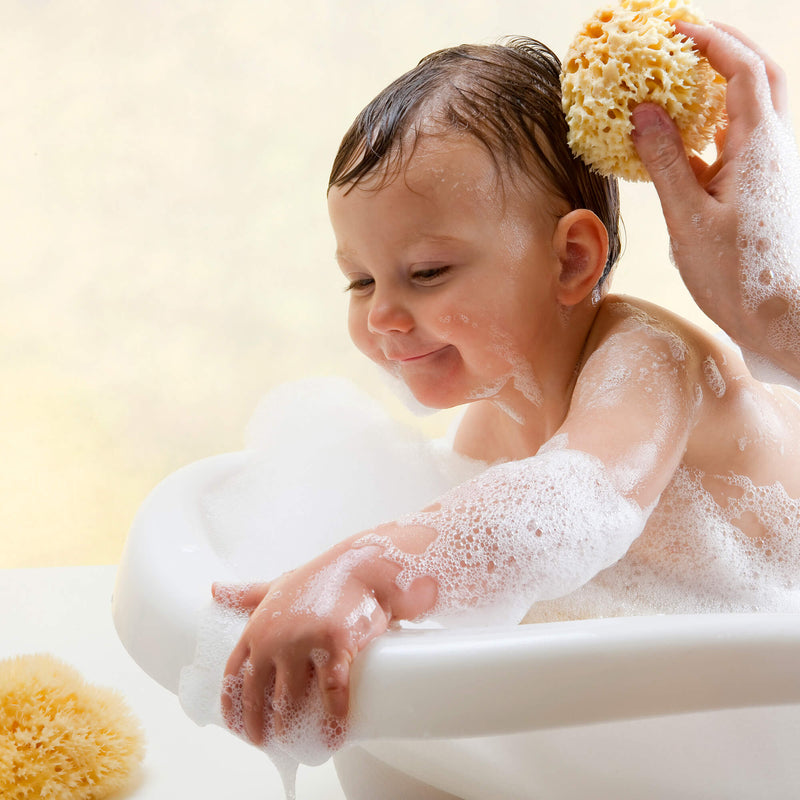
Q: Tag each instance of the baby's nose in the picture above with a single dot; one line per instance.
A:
(389, 315)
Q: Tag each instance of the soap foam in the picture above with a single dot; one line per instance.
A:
(694, 557)
(309, 734)
(768, 188)
(523, 531)
(713, 377)
(325, 462)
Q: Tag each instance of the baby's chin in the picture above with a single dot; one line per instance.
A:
(400, 389)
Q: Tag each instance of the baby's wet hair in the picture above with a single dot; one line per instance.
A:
(505, 95)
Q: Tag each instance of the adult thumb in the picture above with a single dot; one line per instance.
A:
(661, 150)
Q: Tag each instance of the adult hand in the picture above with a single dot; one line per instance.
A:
(749, 285)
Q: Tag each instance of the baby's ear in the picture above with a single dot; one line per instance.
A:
(580, 242)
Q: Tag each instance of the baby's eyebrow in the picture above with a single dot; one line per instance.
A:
(418, 240)
(435, 238)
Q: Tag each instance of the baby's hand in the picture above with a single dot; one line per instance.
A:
(291, 667)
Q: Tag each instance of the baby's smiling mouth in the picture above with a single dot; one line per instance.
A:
(413, 356)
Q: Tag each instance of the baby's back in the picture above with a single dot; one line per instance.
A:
(723, 535)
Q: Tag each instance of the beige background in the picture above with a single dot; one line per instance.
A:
(166, 252)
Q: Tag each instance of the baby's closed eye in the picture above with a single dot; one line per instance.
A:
(429, 275)
(359, 285)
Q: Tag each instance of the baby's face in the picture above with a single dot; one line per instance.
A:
(452, 275)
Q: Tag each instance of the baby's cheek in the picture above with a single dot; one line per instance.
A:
(361, 338)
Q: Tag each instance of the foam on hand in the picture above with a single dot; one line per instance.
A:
(631, 54)
(521, 532)
(311, 736)
(768, 191)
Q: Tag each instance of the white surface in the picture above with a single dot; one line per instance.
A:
(423, 683)
(67, 612)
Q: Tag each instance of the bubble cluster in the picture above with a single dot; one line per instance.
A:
(713, 376)
(698, 555)
(326, 461)
(526, 530)
(323, 591)
(769, 229)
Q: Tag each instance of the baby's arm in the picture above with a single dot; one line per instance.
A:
(521, 532)
(734, 224)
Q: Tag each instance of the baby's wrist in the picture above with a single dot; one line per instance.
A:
(379, 573)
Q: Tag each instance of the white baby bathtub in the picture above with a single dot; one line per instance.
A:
(704, 706)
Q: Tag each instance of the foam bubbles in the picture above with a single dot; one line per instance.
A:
(768, 188)
(323, 592)
(699, 555)
(713, 377)
(307, 734)
(524, 531)
(325, 462)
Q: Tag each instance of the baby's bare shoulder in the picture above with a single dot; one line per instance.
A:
(738, 423)
(632, 335)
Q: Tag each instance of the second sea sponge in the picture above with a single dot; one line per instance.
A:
(626, 55)
(61, 738)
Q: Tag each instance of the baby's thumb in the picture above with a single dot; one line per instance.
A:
(239, 597)
(661, 150)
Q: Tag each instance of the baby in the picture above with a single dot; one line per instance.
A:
(631, 451)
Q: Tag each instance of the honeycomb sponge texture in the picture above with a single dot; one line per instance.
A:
(626, 55)
(60, 737)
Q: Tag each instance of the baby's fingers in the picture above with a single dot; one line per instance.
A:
(244, 694)
(256, 705)
(333, 679)
(292, 680)
(239, 597)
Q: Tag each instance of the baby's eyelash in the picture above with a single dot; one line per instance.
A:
(420, 275)
(358, 283)
(430, 274)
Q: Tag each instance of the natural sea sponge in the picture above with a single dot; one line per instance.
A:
(60, 738)
(630, 54)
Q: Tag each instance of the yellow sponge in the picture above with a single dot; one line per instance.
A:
(60, 738)
(626, 55)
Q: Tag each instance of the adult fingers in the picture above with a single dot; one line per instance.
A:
(775, 75)
(661, 150)
(744, 65)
